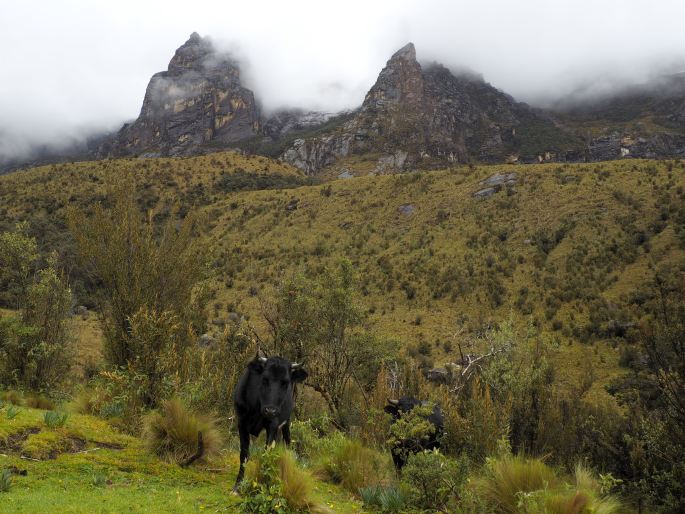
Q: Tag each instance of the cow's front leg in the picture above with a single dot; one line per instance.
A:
(286, 433)
(244, 453)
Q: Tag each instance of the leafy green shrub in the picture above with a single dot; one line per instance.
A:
(18, 254)
(35, 352)
(5, 480)
(12, 412)
(55, 419)
(434, 480)
(173, 433)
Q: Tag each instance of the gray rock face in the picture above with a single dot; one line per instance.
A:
(285, 121)
(427, 115)
(198, 101)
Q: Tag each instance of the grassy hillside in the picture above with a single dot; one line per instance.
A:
(572, 247)
(561, 257)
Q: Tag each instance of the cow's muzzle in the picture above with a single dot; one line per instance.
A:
(270, 412)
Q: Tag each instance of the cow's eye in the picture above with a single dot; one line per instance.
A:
(285, 383)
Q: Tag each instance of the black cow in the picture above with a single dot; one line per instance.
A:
(263, 400)
(401, 449)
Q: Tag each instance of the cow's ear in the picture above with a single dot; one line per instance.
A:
(257, 364)
(298, 375)
(393, 407)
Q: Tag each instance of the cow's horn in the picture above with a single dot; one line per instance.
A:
(295, 365)
(393, 402)
(262, 359)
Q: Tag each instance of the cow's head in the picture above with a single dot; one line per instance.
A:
(277, 377)
(397, 407)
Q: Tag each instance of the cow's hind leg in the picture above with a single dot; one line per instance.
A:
(244, 453)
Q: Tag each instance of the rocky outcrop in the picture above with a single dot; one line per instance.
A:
(199, 101)
(427, 115)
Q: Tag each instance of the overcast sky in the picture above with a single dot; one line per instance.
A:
(70, 67)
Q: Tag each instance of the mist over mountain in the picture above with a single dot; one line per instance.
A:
(86, 76)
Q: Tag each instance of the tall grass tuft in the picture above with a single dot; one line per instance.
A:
(518, 484)
(39, 402)
(173, 431)
(352, 465)
(507, 478)
(275, 483)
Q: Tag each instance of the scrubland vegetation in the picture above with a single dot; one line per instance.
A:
(551, 313)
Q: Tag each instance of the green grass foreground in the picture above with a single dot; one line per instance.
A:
(88, 467)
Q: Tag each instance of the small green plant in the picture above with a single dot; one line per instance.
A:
(99, 479)
(55, 419)
(12, 412)
(385, 499)
(5, 480)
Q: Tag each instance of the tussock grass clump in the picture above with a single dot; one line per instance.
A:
(507, 477)
(173, 431)
(40, 402)
(349, 463)
(13, 397)
(515, 484)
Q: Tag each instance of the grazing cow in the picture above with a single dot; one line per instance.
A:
(401, 449)
(263, 400)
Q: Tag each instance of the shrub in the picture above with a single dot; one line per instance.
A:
(18, 254)
(434, 480)
(12, 412)
(55, 419)
(139, 265)
(35, 352)
(173, 434)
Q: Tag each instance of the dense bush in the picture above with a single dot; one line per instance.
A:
(435, 481)
(36, 350)
(139, 267)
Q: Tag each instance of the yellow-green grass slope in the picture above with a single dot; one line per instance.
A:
(569, 247)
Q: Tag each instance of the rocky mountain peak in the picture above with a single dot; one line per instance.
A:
(192, 54)
(198, 101)
(406, 53)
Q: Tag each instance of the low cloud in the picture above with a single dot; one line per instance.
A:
(79, 66)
